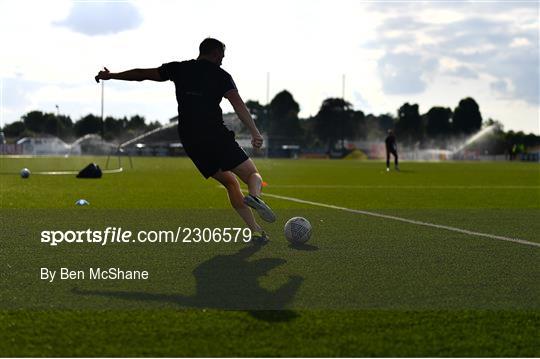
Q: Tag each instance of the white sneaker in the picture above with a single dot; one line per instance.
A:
(387, 169)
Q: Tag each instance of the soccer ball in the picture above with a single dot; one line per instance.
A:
(297, 230)
(25, 173)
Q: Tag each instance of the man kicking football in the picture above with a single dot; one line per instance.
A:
(200, 85)
(391, 148)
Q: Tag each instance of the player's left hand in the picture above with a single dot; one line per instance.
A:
(257, 140)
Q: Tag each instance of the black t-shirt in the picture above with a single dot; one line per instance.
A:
(200, 86)
(390, 143)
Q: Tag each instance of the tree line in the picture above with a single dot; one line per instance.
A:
(335, 122)
(111, 128)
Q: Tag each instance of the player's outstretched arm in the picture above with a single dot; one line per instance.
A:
(129, 75)
(243, 113)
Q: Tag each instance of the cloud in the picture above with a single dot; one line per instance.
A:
(101, 18)
(472, 37)
(402, 73)
(490, 46)
(499, 86)
(463, 72)
(17, 91)
(402, 23)
(504, 47)
(520, 66)
(486, 7)
(390, 42)
(360, 102)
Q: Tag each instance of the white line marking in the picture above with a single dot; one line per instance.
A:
(411, 221)
(54, 173)
(323, 186)
(60, 173)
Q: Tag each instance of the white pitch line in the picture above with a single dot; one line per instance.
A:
(411, 221)
(58, 173)
(323, 186)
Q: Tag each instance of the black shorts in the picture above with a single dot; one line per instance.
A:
(220, 152)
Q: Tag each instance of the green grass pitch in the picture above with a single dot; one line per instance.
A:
(363, 286)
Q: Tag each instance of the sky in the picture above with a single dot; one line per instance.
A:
(377, 54)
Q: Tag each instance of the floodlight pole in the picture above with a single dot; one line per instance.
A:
(267, 88)
(102, 108)
(102, 97)
(343, 87)
(342, 119)
(57, 119)
(267, 108)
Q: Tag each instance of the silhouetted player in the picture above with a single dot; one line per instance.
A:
(200, 86)
(391, 148)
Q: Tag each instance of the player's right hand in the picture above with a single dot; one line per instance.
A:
(103, 75)
(257, 140)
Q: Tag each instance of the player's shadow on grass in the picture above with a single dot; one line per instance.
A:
(228, 282)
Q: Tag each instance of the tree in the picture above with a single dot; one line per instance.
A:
(310, 137)
(467, 118)
(34, 121)
(358, 125)
(14, 129)
(520, 138)
(386, 122)
(376, 127)
(51, 125)
(409, 125)
(259, 113)
(495, 141)
(39, 122)
(336, 121)
(88, 124)
(112, 127)
(66, 126)
(438, 121)
(153, 125)
(136, 123)
(65, 121)
(283, 116)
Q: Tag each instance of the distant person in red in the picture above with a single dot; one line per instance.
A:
(200, 86)
(391, 148)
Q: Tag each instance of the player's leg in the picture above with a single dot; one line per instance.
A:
(229, 181)
(387, 160)
(249, 175)
(396, 164)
